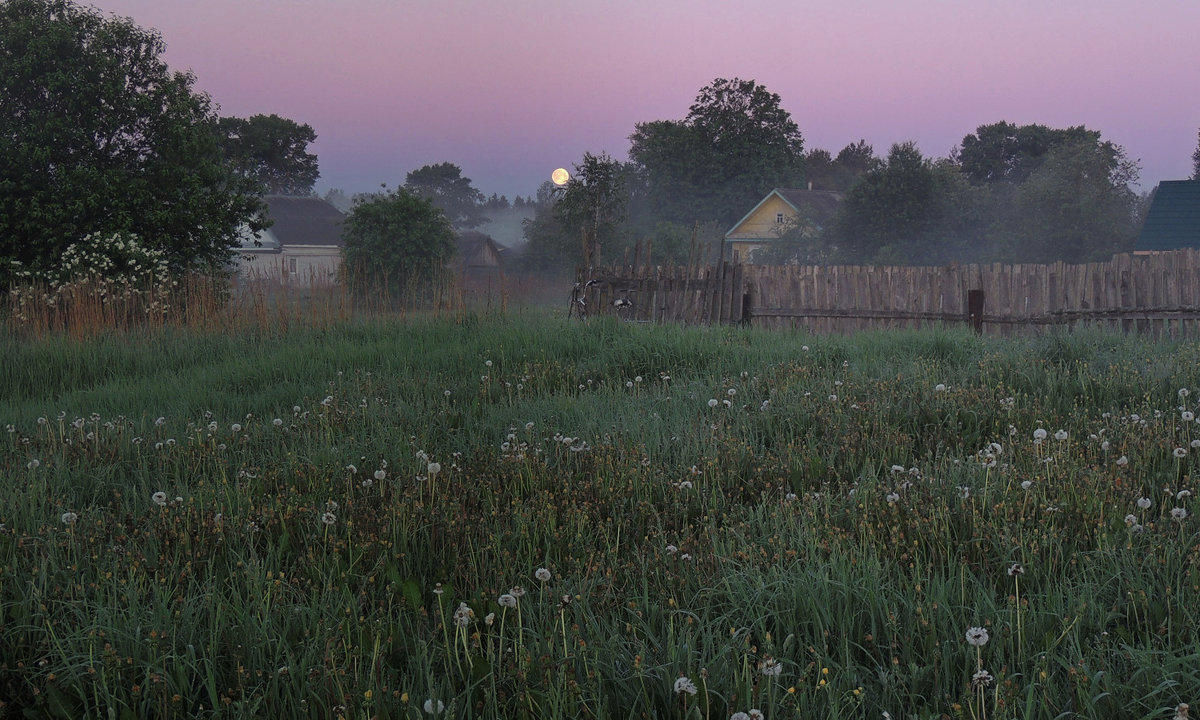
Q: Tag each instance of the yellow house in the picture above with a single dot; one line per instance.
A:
(782, 210)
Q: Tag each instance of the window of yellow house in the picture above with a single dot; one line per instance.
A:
(779, 218)
(292, 266)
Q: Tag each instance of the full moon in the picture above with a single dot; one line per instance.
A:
(560, 176)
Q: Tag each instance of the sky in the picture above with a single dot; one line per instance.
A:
(511, 90)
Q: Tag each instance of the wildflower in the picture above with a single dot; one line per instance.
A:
(489, 619)
(33, 464)
(487, 363)
(277, 422)
(712, 402)
(69, 518)
(731, 392)
(939, 388)
(542, 574)
(770, 667)
(1026, 484)
(1144, 503)
(429, 707)
(1131, 519)
(892, 497)
(1181, 710)
(739, 716)
(1188, 416)
(671, 549)
(1183, 494)
(433, 469)
(517, 591)
(982, 677)
(464, 615)
(507, 601)
(158, 422)
(1122, 461)
(1195, 443)
(380, 474)
(236, 427)
(1179, 453)
(1060, 435)
(685, 685)
(1039, 435)
(159, 498)
(1184, 392)
(756, 714)
(685, 485)
(977, 636)
(178, 500)
(1016, 569)
(964, 491)
(1178, 514)
(328, 518)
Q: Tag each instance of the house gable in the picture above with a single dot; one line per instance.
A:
(1173, 221)
(776, 214)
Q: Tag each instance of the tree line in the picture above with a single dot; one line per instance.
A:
(100, 139)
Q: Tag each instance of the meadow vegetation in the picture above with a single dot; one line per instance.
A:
(517, 516)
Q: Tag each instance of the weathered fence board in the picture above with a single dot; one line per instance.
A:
(1157, 294)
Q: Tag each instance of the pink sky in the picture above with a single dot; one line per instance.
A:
(510, 90)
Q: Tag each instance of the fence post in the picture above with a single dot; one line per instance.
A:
(975, 310)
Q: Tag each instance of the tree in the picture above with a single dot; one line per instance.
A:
(592, 203)
(98, 137)
(1003, 152)
(453, 194)
(394, 241)
(1078, 206)
(1196, 159)
(734, 146)
(890, 207)
(272, 150)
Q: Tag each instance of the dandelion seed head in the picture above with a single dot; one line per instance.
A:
(542, 574)
(977, 636)
(684, 685)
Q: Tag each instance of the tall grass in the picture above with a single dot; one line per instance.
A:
(353, 515)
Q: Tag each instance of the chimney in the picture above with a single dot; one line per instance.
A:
(810, 185)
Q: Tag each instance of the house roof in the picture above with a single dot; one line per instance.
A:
(1173, 221)
(304, 221)
(478, 249)
(817, 205)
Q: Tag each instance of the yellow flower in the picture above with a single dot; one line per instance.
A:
(367, 695)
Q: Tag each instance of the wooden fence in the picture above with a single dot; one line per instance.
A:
(1157, 293)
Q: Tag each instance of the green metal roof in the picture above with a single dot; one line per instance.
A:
(1174, 218)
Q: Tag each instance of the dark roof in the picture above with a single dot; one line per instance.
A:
(478, 249)
(304, 220)
(817, 205)
(1173, 221)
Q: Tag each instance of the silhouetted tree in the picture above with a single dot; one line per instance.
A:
(734, 146)
(272, 150)
(444, 185)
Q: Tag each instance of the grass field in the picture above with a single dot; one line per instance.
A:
(516, 516)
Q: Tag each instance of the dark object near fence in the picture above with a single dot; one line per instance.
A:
(1157, 293)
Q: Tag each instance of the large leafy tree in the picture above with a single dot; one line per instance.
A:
(1004, 152)
(1078, 205)
(735, 145)
(272, 150)
(98, 136)
(395, 241)
(444, 185)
